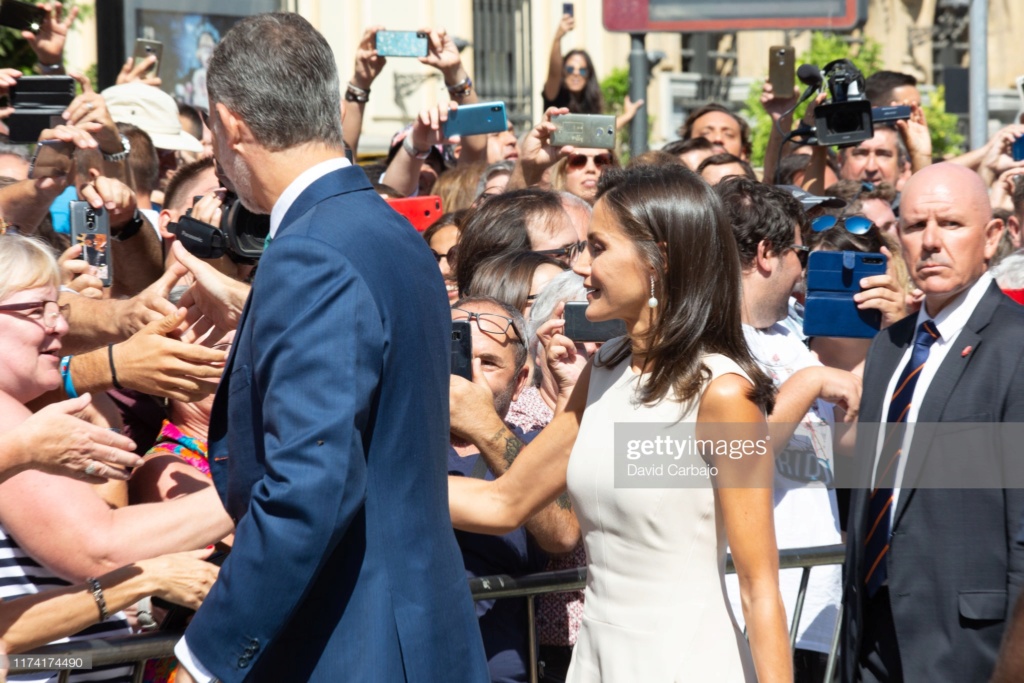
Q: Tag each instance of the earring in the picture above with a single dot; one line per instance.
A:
(653, 301)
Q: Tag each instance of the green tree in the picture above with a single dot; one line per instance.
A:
(947, 141)
(16, 53)
(614, 88)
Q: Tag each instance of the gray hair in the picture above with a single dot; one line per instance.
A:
(277, 73)
(567, 286)
(497, 168)
(13, 150)
(25, 263)
(1009, 273)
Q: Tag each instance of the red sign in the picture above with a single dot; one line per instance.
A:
(719, 16)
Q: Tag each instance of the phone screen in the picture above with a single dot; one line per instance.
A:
(402, 44)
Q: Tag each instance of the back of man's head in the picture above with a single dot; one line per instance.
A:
(277, 73)
(760, 212)
(178, 196)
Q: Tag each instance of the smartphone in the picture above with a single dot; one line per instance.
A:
(782, 69)
(833, 277)
(567, 8)
(476, 119)
(420, 211)
(462, 349)
(53, 159)
(1018, 149)
(402, 43)
(38, 102)
(584, 130)
(23, 16)
(91, 228)
(145, 48)
(579, 329)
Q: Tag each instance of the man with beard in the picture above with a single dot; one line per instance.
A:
(500, 373)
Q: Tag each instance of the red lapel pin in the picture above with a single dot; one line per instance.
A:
(965, 352)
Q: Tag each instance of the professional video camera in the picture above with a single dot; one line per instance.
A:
(241, 234)
(847, 118)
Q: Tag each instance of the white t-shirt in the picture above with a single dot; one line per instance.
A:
(806, 513)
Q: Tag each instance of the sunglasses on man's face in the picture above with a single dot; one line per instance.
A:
(855, 225)
(578, 161)
(572, 70)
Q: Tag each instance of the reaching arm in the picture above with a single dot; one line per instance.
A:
(368, 66)
(533, 481)
(554, 81)
(748, 514)
(802, 389)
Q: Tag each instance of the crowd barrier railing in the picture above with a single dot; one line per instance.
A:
(139, 648)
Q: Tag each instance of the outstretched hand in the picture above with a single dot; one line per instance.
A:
(213, 294)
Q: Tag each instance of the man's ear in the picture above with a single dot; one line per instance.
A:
(342, 112)
(993, 233)
(1013, 225)
(522, 379)
(235, 130)
(165, 220)
(763, 260)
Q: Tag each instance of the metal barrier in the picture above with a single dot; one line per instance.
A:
(137, 649)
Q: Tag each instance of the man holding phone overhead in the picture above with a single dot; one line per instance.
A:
(344, 565)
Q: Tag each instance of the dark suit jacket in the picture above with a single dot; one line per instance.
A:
(328, 445)
(953, 567)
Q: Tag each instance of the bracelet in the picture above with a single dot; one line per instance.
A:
(412, 151)
(65, 375)
(97, 595)
(113, 372)
(462, 88)
(354, 93)
(130, 228)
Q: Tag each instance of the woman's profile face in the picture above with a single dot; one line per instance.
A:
(30, 363)
(575, 73)
(441, 243)
(616, 275)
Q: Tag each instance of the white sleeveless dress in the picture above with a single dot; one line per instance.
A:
(655, 607)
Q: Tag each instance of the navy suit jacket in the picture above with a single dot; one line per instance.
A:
(328, 445)
(954, 569)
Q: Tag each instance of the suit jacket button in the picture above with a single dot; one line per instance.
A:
(243, 662)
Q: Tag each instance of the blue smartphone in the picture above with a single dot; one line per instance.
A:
(833, 277)
(402, 43)
(476, 119)
(1018, 149)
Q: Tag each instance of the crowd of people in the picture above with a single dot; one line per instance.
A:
(275, 440)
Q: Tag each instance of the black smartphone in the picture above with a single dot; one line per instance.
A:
(567, 8)
(91, 228)
(23, 16)
(148, 48)
(53, 159)
(781, 70)
(402, 43)
(833, 277)
(462, 349)
(38, 102)
(579, 329)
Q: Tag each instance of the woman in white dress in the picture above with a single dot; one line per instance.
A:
(661, 256)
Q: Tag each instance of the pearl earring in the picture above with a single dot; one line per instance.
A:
(653, 301)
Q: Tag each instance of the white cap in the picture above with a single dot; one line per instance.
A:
(152, 110)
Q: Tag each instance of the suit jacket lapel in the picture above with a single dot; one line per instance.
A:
(940, 391)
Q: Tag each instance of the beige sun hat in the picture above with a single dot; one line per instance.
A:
(152, 110)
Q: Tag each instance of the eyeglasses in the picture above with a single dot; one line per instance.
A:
(577, 161)
(855, 225)
(569, 252)
(802, 251)
(450, 255)
(572, 70)
(491, 323)
(47, 313)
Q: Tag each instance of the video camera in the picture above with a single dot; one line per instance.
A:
(847, 118)
(241, 234)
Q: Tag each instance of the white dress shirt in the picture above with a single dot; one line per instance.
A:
(949, 322)
(277, 214)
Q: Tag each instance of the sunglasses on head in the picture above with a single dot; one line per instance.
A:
(855, 225)
(580, 160)
(582, 71)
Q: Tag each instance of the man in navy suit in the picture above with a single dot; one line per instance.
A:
(932, 567)
(329, 433)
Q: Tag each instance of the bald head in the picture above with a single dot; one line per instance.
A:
(960, 182)
(947, 232)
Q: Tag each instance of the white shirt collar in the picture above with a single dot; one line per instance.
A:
(298, 186)
(954, 316)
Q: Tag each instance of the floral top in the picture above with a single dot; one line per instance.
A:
(174, 441)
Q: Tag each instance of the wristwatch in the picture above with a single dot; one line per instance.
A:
(130, 228)
(412, 151)
(119, 156)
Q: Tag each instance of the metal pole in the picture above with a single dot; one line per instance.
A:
(979, 73)
(639, 69)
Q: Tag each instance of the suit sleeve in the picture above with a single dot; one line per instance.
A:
(317, 345)
(1014, 413)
